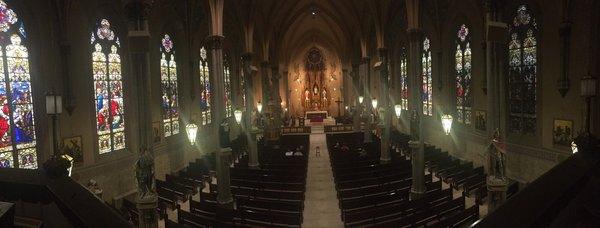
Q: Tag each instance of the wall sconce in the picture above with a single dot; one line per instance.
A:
(191, 130)
(360, 99)
(588, 86)
(398, 110)
(447, 123)
(374, 103)
(346, 107)
(238, 116)
(53, 104)
(259, 107)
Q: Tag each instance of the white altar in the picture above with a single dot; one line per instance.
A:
(312, 118)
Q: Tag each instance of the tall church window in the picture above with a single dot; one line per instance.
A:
(242, 89)
(108, 88)
(403, 80)
(427, 91)
(17, 126)
(522, 74)
(205, 87)
(227, 81)
(462, 58)
(168, 79)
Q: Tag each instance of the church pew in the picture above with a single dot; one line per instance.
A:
(261, 219)
(171, 224)
(176, 188)
(417, 218)
(190, 185)
(268, 185)
(461, 219)
(388, 187)
(271, 205)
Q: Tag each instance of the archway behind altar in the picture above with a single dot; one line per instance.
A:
(315, 80)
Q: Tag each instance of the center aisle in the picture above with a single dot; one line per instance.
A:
(320, 200)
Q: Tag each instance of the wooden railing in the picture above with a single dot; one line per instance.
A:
(295, 130)
(339, 128)
(78, 205)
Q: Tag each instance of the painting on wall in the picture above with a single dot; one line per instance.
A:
(480, 120)
(156, 132)
(563, 132)
(72, 146)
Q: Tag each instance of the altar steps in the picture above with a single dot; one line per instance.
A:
(317, 129)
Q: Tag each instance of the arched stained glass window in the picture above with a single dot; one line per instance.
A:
(403, 80)
(427, 91)
(227, 80)
(522, 75)
(206, 88)
(462, 58)
(17, 125)
(108, 88)
(168, 79)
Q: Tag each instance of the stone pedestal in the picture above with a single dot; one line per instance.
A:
(224, 196)
(418, 170)
(496, 192)
(147, 211)
(253, 148)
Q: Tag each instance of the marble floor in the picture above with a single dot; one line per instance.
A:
(321, 203)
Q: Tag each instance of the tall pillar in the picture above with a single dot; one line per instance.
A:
(147, 200)
(218, 105)
(356, 89)
(345, 91)
(251, 130)
(286, 88)
(497, 185)
(416, 112)
(367, 106)
(276, 96)
(266, 83)
(385, 104)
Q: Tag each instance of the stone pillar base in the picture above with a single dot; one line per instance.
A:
(496, 192)
(416, 194)
(147, 211)
(224, 196)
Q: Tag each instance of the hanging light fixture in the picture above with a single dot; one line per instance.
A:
(238, 116)
(374, 103)
(191, 130)
(398, 110)
(360, 99)
(447, 123)
(259, 107)
(346, 107)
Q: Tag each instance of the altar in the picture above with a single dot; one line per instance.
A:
(312, 118)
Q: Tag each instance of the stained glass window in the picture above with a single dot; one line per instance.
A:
(427, 91)
(227, 80)
(206, 88)
(108, 88)
(522, 75)
(403, 80)
(17, 125)
(462, 58)
(168, 79)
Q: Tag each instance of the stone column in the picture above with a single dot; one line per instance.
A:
(367, 107)
(286, 88)
(416, 112)
(496, 186)
(218, 112)
(356, 89)
(276, 96)
(266, 83)
(345, 91)
(385, 121)
(251, 130)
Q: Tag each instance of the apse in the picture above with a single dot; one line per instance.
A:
(315, 80)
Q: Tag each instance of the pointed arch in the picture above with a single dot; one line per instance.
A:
(522, 74)
(108, 88)
(17, 125)
(169, 88)
(462, 66)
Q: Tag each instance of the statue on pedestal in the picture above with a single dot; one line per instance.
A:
(497, 159)
(144, 174)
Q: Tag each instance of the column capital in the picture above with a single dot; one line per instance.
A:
(215, 41)
(365, 59)
(247, 56)
(415, 35)
(264, 64)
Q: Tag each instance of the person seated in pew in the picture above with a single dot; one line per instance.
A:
(345, 148)
(289, 152)
(337, 145)
(298, 153)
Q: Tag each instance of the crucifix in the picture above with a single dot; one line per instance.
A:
(339, 103)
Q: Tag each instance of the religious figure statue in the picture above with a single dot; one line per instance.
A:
(497, 159)
(144, 173)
